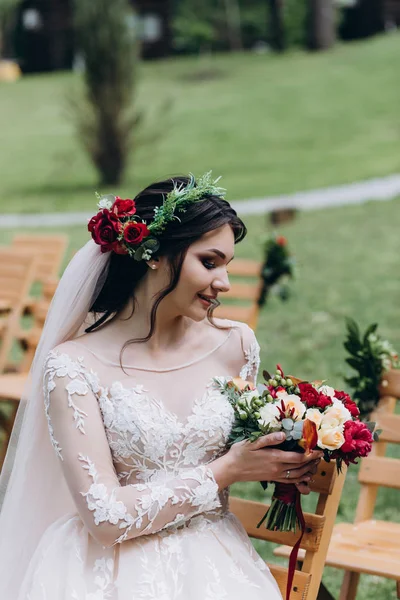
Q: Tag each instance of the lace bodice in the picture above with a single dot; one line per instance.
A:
(135, 444)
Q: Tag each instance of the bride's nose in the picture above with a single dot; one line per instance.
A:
(221, 283)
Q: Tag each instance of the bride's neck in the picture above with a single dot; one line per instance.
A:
(133, 322)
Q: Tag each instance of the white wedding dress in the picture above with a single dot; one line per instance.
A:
(134, 445)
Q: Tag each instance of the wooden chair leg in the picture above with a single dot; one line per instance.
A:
(398, 588)
(349, 587)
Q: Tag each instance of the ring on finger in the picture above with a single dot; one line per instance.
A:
(287, 474)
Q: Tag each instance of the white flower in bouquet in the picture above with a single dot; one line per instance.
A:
(327, 390)
(292, 402)
(269, 414)
(330, 438)
(335, 415)
(314, 415)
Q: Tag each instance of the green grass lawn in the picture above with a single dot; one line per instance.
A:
(268, 124)
(347, 264)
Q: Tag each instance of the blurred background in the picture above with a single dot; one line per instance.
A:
(294, 102)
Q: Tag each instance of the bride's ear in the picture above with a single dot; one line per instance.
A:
(153, 263)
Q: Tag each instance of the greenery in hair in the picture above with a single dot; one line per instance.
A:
(181, 196)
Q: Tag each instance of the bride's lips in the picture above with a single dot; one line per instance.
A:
(207, 301)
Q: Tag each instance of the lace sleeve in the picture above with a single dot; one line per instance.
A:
(251, 351)
(112, 513)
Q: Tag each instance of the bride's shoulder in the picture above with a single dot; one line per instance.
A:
(239, 331)
(69, 352)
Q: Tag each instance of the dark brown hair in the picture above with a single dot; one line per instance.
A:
(125, 273)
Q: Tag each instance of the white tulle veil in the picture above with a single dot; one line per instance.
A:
(33, 493)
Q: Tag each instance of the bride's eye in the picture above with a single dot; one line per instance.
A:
(209, 264)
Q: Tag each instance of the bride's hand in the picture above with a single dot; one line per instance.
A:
(255, 461)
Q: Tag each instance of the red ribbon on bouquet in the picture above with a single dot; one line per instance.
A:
(289, 494)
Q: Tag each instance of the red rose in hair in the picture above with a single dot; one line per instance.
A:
(123, 208)
(348, 402)
(105, 228)
(357, 440)
(135, 232)
(309, 394)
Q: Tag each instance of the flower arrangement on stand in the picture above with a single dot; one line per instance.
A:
(371, 357)
(313, 416)
(278, 267)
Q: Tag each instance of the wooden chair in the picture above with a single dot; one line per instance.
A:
(39, 313)
(243, 296)
(367, 545)
(49, 250)
(328, 484)
(17, 272)
(12, 384)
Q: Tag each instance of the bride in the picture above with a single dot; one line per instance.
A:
(116, 482)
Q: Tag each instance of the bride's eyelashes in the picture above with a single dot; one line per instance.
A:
(209, 264)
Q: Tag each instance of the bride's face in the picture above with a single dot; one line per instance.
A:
(204, 274)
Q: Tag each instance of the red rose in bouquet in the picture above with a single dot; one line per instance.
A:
(309, 394)
(348, 402)
(357, 441)
(105, 228)
(313, 416)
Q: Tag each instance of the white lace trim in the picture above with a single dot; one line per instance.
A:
(252, 365)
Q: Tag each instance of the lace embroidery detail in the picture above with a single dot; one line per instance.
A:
(104, 506)
(104, 568)
(107, 508)
(237, 573)
(63, 366)
(250, 368)
(215, 590)
(150, 443)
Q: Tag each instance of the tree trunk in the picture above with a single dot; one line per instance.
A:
(233, 24)
(277, 29)
(322, 24)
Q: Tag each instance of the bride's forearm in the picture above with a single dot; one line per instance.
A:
(223, 470)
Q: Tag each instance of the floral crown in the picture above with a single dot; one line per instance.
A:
(117, 228)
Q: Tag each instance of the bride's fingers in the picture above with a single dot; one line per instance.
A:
(303, 488)
(271, 439)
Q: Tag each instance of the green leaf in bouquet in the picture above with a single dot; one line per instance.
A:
(376, 435)
(371, 425)
(239, 439)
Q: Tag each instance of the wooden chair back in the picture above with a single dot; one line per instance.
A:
(328, 485)
(243, 296)
(39, 313)
(17, 273)
(12, 384)
(379, 470)
(49, 249)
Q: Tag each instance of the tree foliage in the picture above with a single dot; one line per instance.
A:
(104, 116)
(203, 25)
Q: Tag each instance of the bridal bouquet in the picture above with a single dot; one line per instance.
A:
(313, 416)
